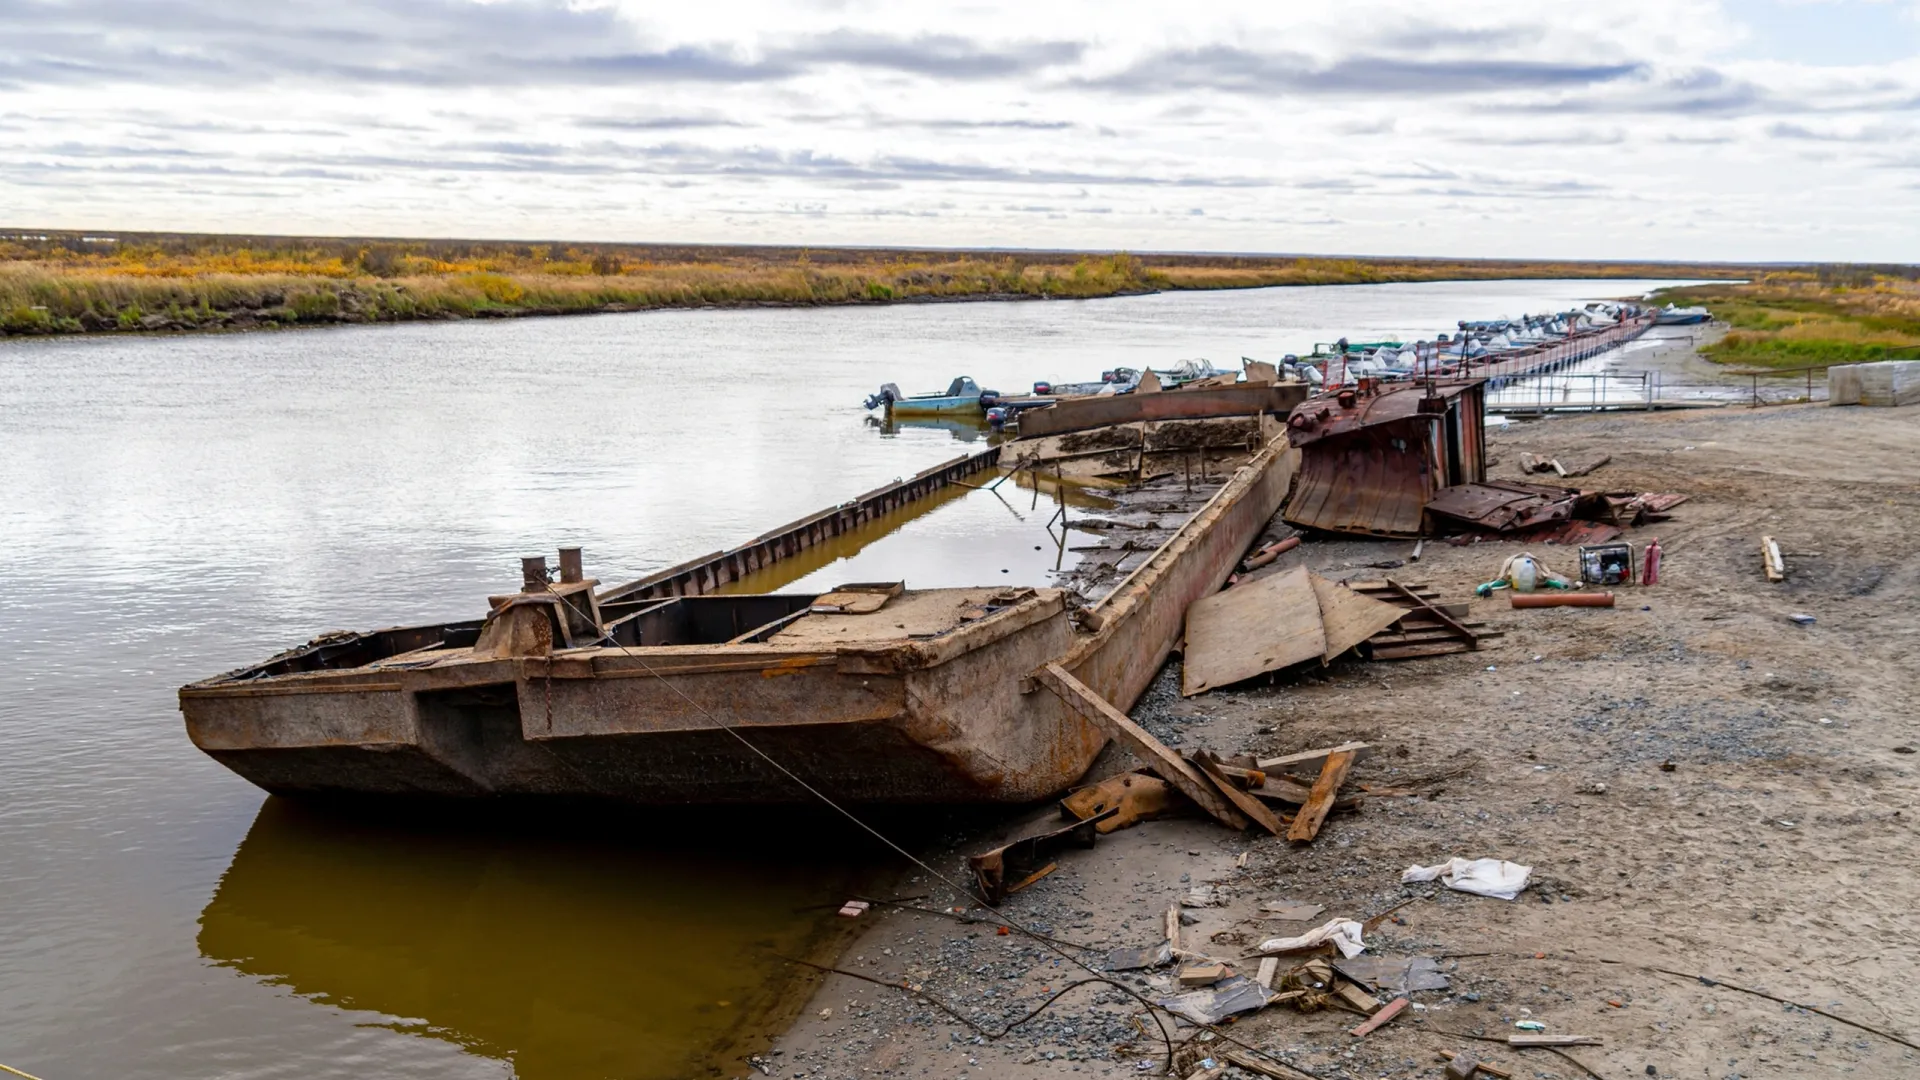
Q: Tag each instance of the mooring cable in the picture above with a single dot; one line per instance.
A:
(1708, 981)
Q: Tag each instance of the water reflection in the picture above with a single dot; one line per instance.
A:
(991, 534)
(963, 429)
(636, 947)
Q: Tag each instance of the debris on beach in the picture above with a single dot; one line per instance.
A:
(1483, 877)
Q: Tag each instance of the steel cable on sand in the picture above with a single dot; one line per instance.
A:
(1154, 1010)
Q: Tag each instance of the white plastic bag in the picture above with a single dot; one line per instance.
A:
(1483, 877)
(1344, 933)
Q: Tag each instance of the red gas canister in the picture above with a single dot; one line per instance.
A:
(1650, 563)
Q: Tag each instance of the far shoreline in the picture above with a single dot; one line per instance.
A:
(251, 320)
(65, 283)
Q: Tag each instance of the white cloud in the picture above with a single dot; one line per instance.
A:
(1506, 129)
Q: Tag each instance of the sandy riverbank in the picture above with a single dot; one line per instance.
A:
(1772, 854)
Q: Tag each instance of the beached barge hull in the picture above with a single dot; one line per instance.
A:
(946, 718)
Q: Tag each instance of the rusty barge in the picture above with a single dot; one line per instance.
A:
(871, 693)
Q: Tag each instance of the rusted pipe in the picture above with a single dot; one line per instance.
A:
(571, 569)
(1565, 599)
(533, 573)
(1271, 552)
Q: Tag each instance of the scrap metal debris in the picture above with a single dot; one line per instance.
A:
(1228, 997)
(1394, 975)
(1025, 857)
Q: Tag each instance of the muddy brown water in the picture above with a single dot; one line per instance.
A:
(178, 506)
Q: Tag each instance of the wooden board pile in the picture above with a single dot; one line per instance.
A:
(1428, 627)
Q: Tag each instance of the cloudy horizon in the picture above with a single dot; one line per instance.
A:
(1772, 130)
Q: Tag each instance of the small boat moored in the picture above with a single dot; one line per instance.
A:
(1679, 316)
(963, 397)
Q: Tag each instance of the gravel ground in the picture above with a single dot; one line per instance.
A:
(1699, 784)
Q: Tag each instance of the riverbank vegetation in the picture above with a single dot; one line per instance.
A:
(1809, 316)
(69, 282)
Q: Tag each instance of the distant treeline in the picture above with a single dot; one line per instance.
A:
(74, 281)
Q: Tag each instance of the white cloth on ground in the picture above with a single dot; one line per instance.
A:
(1484, 877)
(1344, 933)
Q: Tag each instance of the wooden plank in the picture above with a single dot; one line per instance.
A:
(1348, 618)
(1312, 760)
(1155, 753)
(1457, 610)
(1247, 804)
(1481, 1065)
(1269, 967)
(1554, 1040)
(1284, 789)
(1383, 587)
(1257, 627)
(1424, 636)
(1377, 1020)
(1435, 612)
(1306, 824)
(1358, 998)
(1413, 652)
(1247, 1061)
(1776, 565)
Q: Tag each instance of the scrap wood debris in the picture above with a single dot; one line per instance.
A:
(1426, 627)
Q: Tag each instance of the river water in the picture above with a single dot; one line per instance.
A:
(178, 506)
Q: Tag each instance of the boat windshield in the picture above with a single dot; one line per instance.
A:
(963, 387)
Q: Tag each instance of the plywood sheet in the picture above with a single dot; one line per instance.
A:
(1347, 618)
(1259, 626)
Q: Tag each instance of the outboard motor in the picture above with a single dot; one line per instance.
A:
(887, 395)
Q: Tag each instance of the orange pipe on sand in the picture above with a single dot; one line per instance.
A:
(1273, 553)
(1565, 599)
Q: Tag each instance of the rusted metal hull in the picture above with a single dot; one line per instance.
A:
(944, 718)
(1371, 462)
(1080, 414)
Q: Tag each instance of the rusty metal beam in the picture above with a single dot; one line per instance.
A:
(1079, 414)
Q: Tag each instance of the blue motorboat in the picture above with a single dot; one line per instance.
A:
(963, 397)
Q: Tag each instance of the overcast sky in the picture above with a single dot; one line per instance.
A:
(1687, 129)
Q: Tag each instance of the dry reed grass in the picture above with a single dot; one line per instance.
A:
(66, 282)
(1802, 318)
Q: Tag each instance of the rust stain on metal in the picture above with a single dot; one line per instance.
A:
(795, 666)
(1507, 506)
(1116, 410)
(1371, 462)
